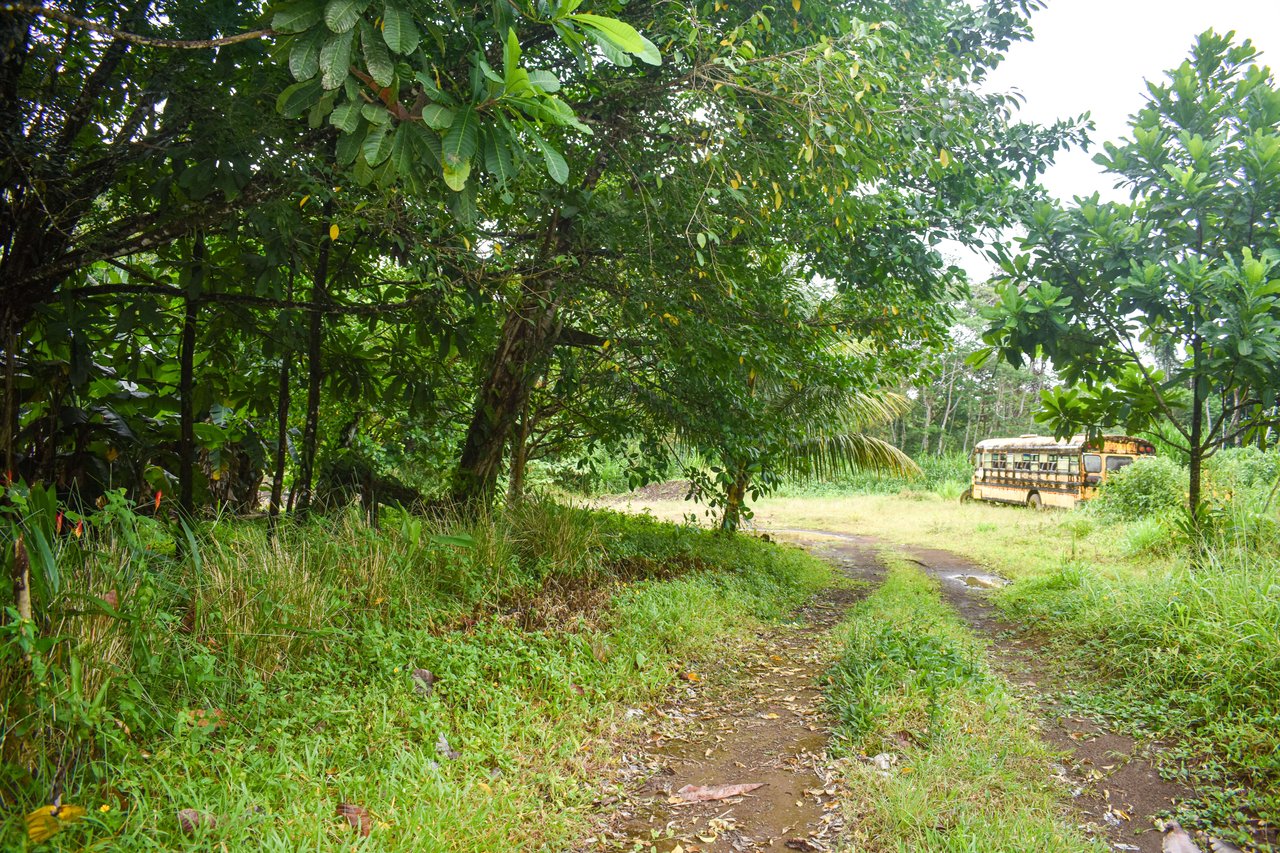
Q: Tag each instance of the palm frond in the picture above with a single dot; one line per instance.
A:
(825, 455)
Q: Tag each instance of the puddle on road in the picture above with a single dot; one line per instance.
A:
(980, 581)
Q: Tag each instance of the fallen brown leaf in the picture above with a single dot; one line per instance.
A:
(357, 816)
(1177, 840)
(190, 820)
(423, 681)
(705, 793)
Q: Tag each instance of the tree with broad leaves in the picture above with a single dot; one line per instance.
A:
(1189, 267)
(847, 138)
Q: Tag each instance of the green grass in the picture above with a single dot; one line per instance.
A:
(1190, 657)
(1188, 654)
(541, 635)
(970, 772)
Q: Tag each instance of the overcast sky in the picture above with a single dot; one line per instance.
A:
(1093, 56)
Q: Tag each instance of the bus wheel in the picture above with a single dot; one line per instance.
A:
(1034, 502)
(966, 497)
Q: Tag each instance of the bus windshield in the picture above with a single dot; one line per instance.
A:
(1115, 463)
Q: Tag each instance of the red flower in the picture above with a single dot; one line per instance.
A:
(57, 524)
(159, 494)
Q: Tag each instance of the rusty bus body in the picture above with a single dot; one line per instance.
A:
(1039, 471)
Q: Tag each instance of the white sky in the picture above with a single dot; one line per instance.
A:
(1094, 56)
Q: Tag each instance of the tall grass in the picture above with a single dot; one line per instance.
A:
(949, 474)
(1192, 652)
(967, 770)
(263, 683)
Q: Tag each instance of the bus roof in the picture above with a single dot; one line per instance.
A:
(1034, 443)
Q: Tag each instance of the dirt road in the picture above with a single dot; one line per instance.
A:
(764, 724)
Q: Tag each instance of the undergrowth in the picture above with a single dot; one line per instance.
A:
(1189, 653)
(261, 685)
(956, 763)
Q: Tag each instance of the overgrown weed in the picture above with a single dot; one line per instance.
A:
(960, 767)
(262, 684)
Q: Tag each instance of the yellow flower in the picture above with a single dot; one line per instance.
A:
(104, 808)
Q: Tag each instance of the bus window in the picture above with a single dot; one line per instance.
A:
(1092, 463)
(1115, 463)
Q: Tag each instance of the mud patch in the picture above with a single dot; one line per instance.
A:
(761, 721)
(671, 490)
(1114, 784)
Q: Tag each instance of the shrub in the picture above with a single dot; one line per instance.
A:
(1246, 474)
(1150, 486)
(1147, 536)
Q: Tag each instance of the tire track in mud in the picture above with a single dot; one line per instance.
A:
(1116, 789)
(760, 721)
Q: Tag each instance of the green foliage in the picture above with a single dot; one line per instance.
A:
(1151, 486)
(1193, 653)
(271, 665)
(947, 474)
(1199, 291)
(1246, 475)
(910, 683)
(911, 653)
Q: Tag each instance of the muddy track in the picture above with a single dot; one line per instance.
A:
(761, 723)
(1115, 788)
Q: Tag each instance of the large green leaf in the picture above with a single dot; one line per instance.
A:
(497, 156)
(398, 29)
(557, 168)
(341, 15)
(510, 54)
(460, 147)
(295, 99)
(545, 80)
(348, 148)
(335, 60)
(437, 117)
(377, 58)
(298, 17)
(377, 145)
(621, 35)
(346, 117)
(304, 55)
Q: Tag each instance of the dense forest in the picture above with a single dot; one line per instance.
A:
(312, 310)
(355, 253)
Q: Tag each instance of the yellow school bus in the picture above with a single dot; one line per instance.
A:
(1040, 471)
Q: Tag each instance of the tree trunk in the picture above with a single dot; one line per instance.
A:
(315, 338)
(186, 383)
(734, 502)
(1197, 426)
(9, 428)
(528, 336)
(21, 576)
(282, 421)
(519, 458)
(947, 408)
(282, 444)
(928, 419)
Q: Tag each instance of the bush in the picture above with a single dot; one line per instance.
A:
(1245, 474)
(1194, 652)
(1148, 537)
(1150, 486)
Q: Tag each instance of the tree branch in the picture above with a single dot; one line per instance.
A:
(132, 38)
